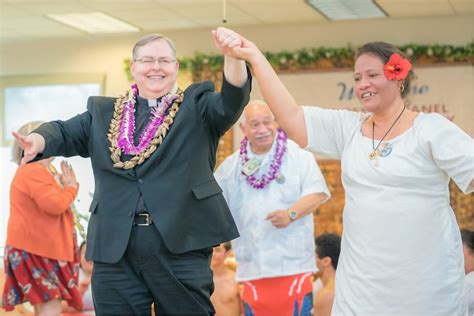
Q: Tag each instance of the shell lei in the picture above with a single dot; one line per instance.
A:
(116, 130)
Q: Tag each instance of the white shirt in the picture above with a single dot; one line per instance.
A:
(262, 250)
(401, 251)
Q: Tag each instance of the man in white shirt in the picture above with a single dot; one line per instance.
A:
(272, 188)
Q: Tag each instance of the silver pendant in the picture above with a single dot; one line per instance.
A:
(385, 149)
(280, 178)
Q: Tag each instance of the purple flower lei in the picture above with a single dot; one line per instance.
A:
(127, 126)
(271, 174)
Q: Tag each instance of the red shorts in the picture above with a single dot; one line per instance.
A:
(38, 280)
(280, 296)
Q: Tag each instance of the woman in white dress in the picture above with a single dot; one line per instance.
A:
(467, 237)
(401, 251)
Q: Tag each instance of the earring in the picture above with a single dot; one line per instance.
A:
(402, 88)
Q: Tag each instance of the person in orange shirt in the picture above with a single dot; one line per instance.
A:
(41, 258)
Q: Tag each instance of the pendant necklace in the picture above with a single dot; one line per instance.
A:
(374, 153)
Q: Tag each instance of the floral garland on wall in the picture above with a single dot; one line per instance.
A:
(329, 58)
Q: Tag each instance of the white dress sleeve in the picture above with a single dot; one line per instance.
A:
(328, 129)
(451, 148)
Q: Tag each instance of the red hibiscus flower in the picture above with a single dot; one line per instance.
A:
(397, 67)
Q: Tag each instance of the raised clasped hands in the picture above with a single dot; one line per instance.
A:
(234, 45)
(67, 176)
(32, 145)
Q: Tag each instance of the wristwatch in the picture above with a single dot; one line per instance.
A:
(292, 214)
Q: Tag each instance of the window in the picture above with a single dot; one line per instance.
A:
(45, 98)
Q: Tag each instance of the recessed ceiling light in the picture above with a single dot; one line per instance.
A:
(93, 22)
(347, 9)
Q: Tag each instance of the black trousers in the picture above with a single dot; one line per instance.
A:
(177, 284)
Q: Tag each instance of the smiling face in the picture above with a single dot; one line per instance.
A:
(157, 78)
(374, 91)
(259, 126)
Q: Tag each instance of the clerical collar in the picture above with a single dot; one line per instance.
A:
(153, 102)
(147, 102)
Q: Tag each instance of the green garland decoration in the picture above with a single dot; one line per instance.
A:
(329, 58)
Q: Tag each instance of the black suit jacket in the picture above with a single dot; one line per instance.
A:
(176, 182)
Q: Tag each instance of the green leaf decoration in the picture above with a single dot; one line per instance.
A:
(317, 58)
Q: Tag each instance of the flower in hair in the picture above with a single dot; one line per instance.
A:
(397, 67)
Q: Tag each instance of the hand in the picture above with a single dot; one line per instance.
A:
(226, 39)
(68, 177)
(32, 145)
(84, 284)
(279, 219)
(234, 45)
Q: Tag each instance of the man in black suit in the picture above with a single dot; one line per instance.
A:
(157, 209)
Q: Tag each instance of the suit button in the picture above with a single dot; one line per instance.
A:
(140, 181)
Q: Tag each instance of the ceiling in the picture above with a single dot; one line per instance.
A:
(26, 19)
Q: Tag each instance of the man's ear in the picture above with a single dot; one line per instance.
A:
(326, 261)
(242, 128)
(132, 67)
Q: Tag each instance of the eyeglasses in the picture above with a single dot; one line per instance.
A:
(150, 61)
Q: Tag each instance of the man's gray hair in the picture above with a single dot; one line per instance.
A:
(151, 38)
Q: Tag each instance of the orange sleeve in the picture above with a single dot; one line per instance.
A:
(47, 193)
